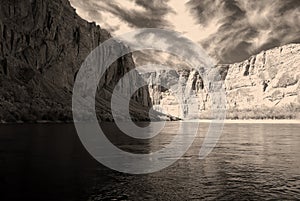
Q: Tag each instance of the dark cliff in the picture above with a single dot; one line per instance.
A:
(42, 45)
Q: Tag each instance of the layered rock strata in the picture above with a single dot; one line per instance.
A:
(266, 85)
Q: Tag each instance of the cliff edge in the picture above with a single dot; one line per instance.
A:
(266, 85)
(42, 46)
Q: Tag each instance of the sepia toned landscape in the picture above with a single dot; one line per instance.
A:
(227, 116)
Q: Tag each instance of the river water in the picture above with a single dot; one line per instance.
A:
(250, 162)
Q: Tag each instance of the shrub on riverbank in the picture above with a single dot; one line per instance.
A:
(289, 112)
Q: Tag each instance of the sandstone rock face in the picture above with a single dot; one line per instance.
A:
(267, 85)
(184, 96)
(42, 46)
(269, 79)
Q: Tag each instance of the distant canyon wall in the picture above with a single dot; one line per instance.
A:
(266, 85)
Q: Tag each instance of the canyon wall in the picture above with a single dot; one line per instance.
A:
(266, 85)
(42, 46)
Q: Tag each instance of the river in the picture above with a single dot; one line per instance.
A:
(250, 162)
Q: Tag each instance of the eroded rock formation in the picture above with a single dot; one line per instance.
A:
(266, 85)
(269, 79)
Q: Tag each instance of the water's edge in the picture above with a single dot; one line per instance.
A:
(227, 121)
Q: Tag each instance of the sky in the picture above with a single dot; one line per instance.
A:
(229, 30)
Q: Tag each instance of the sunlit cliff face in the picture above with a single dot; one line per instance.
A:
(230, 30)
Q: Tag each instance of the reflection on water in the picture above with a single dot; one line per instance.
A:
(250, 162)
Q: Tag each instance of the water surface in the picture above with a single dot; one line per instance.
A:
(251, 162)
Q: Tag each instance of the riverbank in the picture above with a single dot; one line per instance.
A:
(251, 121)
(226, 121)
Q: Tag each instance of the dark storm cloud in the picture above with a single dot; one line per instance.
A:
(230, 30)
(205, 10)
(155, 7)
(152, 14)
(247, 27)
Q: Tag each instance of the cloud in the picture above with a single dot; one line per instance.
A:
(126, 14)
(229, 30)
(150, 17)
(247, 27)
